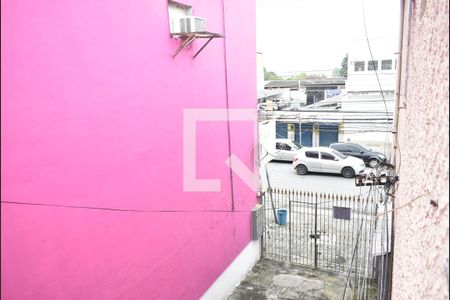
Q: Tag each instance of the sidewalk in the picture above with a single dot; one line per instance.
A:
(277, 280)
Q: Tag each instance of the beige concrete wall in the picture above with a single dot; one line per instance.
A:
(421, 247)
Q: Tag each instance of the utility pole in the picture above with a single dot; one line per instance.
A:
(299, 117)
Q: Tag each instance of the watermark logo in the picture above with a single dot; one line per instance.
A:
(190, 118)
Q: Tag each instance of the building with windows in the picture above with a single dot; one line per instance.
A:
(359, 109)
(94, 93)
(309, 128)
(297, 93)
(318, 90)
(368, 105)
(287, 94)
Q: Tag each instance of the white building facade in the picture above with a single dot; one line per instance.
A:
(368, 105)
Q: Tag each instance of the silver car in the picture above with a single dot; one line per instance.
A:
(327, 160)
(285, 149)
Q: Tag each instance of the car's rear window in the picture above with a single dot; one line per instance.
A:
(312, 154)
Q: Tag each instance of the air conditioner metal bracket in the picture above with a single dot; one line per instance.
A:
(188, 38)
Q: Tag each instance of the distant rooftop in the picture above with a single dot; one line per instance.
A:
(291, 84)
(271, 93)
(296, 84)
(321, 82)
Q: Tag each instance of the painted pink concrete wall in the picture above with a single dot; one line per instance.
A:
(421, 245)
(92, 107)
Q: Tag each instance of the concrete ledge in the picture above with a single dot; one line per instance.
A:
(235, 273)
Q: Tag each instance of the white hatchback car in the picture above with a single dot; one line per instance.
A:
(327, 160)
(285, 149)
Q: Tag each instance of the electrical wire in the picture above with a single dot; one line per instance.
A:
(285, 112)
(225, 58)
(120, 209)
(376, 71)
(382, 192)
(354, 251)
(384, 72)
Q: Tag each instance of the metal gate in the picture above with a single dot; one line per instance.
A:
(329, 133)
(281, 130)
(323, 231)
(306, 133)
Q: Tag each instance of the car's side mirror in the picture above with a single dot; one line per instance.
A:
(336, 159)
(362, 152)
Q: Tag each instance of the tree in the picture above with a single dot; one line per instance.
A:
(304, 76)
(269, 75)
(316, 76)
(299, 76)
(342, 71)
(336, 72)
(344, 67)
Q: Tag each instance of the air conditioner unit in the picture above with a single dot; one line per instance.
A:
(189, 25)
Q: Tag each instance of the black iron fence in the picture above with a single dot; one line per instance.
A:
(324, 231)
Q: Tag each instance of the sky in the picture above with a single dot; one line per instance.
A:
(314, 35)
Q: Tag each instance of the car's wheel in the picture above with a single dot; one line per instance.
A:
(302, 170)
(348, 172)
(373, 162)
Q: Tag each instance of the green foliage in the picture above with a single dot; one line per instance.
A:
(299, 76)
(342, 71)
(304, 76)
(269, 75)
(336, 72)
(344, 67)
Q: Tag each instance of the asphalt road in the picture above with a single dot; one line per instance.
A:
(282, 175)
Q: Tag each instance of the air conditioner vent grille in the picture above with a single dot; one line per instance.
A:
(190, 25)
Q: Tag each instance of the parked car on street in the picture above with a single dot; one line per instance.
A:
(285, 149)
(327, 160)
(370, 157)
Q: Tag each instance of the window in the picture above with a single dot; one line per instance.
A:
(386, 64)
(283, 146)
(341, 148)
(359, 66)
(338, 147)
(294, 146)
(360, 148)
(327, 156)
(372, 65)
(338, 154)
(354, 149)
(286, 147)
(297, 144)
(312, 154)
(176, 11)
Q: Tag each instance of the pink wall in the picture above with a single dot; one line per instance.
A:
(421, 244)
(92, 106)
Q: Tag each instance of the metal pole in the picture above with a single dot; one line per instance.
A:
(356, 273)
(300, 129)
(270, 194)
(316, 247)
(403, 50)
(290, 230)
